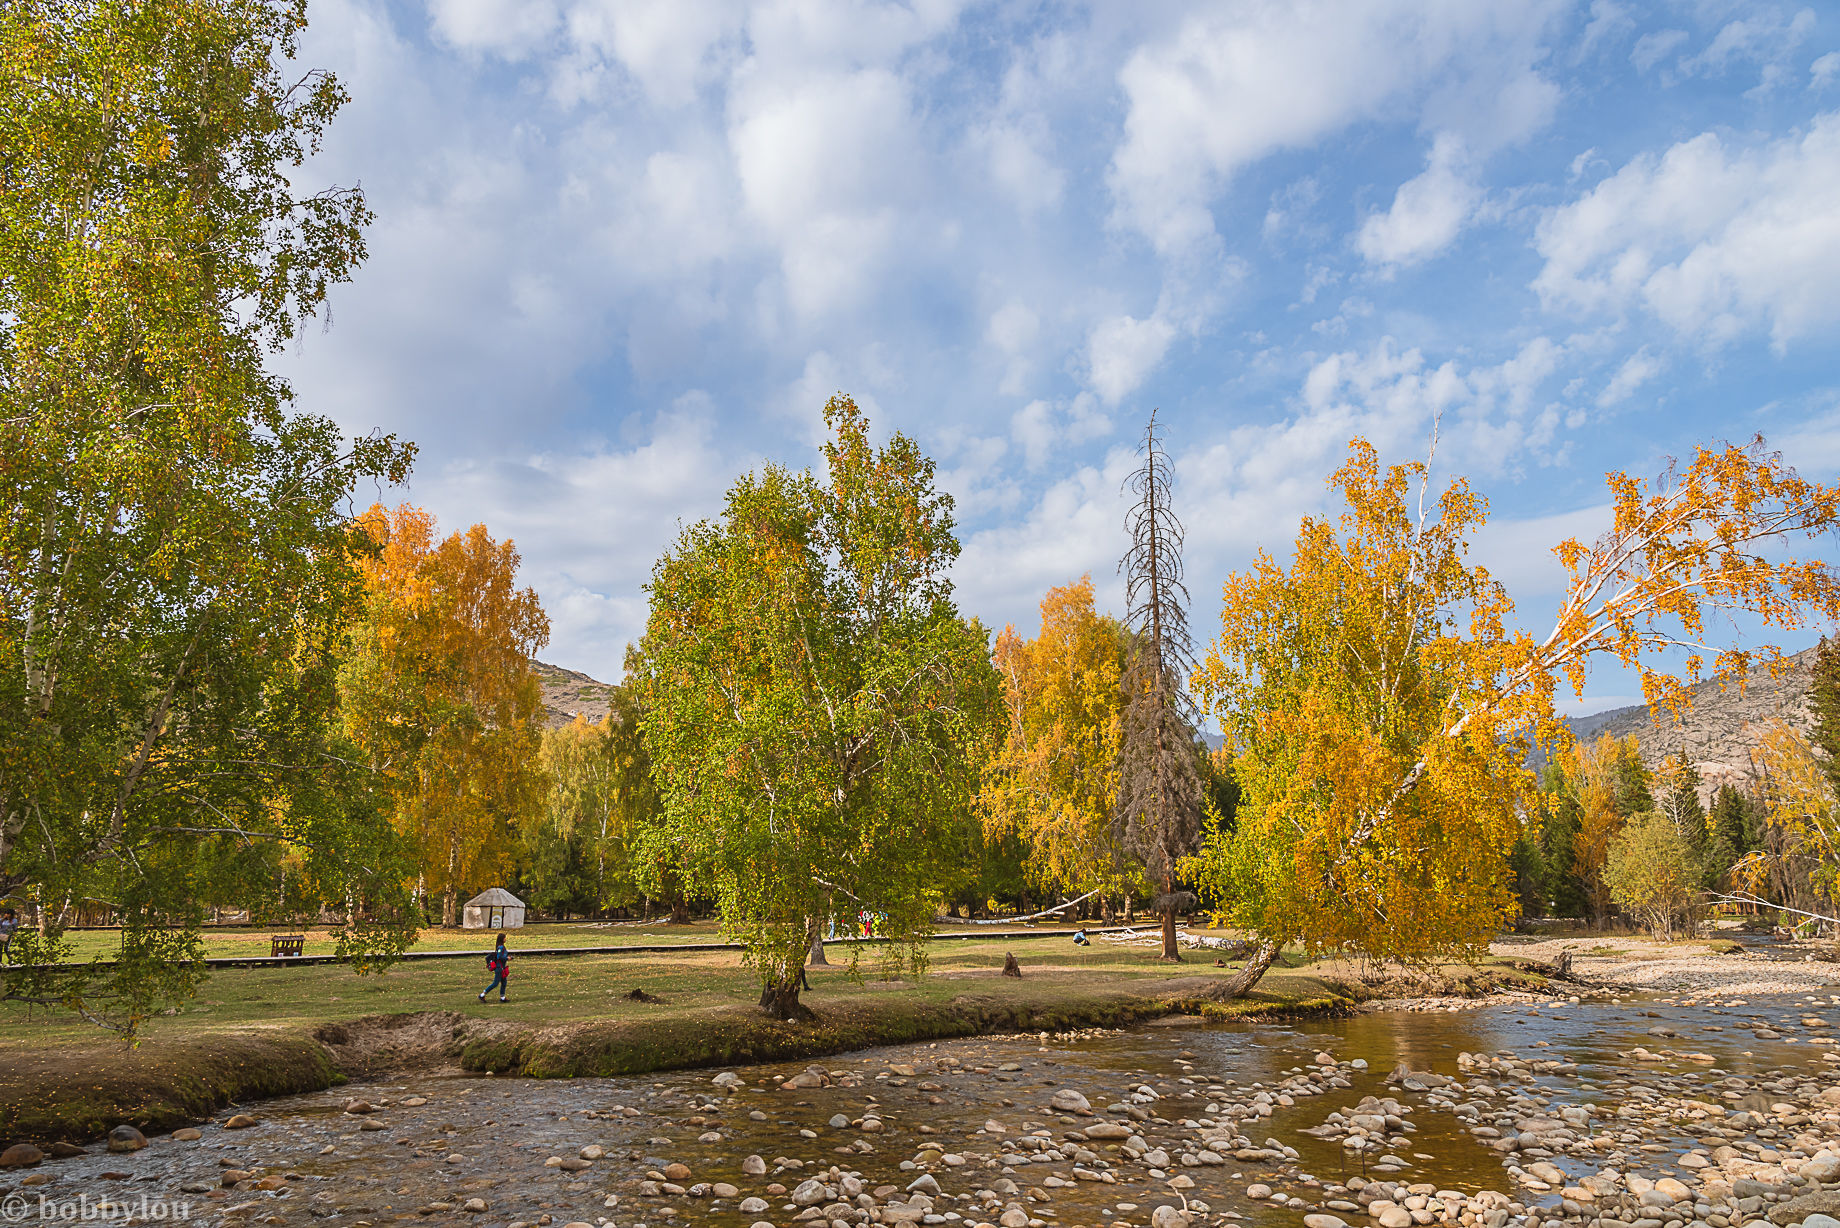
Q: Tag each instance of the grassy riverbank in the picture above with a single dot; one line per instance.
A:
(262, 1032)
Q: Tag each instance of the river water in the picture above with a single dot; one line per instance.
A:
(433, 1142)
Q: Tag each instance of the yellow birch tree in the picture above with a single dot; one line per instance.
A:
(1381, 709)
(439, 693)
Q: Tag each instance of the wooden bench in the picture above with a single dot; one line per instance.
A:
(287, 944)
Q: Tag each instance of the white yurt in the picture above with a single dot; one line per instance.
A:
(493, 909)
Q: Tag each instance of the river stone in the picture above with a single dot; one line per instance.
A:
(359, 1107)
(1258, 1191)
(1824, 1166)
(1066, 1100)
(593, 1151)
(126, 1138)
(1167, 1217)
(759, 1223)
(1673, 1191)
(21, 1155)
(677, 1172)
(808, 1193)
(1015, 1217)
(839, 1122)
(187, 1134)
(709, 1136)
(1108, 1130)
(752, 1206)
(1817, 1220)
(754, 1166)
(474, 1205)
(1827, 1202)
(728, 1079)
(241, 1121)
(723, 1189)
(872, 1125)
(1319, 1220)
(925, 1183)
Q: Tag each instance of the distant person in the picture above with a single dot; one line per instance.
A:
(9, 922)
(1081, 940)
(499, 961)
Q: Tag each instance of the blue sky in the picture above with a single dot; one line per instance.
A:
(625, 249)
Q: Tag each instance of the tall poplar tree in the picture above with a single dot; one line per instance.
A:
(177, 566)
(815, 708)
(1159, 806)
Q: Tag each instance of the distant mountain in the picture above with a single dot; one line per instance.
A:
(1722, 727)
(569, 693)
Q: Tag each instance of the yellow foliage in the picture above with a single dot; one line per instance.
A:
(440, 693)
(1592, 772)
(1056, 777)
(1801, 802)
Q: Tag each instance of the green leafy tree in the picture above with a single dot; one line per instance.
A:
(1653, 875)
(816, 710)
(176, 561)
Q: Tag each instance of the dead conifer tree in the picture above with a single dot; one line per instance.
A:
(1158, 811)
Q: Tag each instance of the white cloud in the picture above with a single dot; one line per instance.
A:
(1428, 212)
(1654, 47)
(509, 28)
(1639, 368)
(1713, 240)
(1824, 71)
(1040, 427)
(1122, 351)
(1764, 37)
(820, 163)
(1232, 85)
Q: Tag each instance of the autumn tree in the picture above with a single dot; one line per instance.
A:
(1652, 875)
(1054, 781)
(1599, 779)
(439, 694)
(1382, 709)
(816, 709)
(176, 562)
(1160, 801)
(580, 852)
(1327, 677)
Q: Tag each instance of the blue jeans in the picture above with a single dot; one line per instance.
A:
(498, 983)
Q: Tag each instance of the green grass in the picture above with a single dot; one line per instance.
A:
(233, 942)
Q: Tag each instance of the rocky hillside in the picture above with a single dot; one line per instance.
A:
(569, 693)
(1720, 730)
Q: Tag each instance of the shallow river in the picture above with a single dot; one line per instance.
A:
(435, 1142)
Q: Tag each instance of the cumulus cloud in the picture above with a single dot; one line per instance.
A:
(1122, 352)
(1710, 238)
(1232, 85)
(1428, 212)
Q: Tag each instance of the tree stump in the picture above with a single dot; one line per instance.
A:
(1011, 967)
(1562, 967)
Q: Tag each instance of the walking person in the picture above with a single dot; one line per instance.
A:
(9, 922)
(499, 961)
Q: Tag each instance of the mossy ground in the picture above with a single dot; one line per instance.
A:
(271, 1031)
